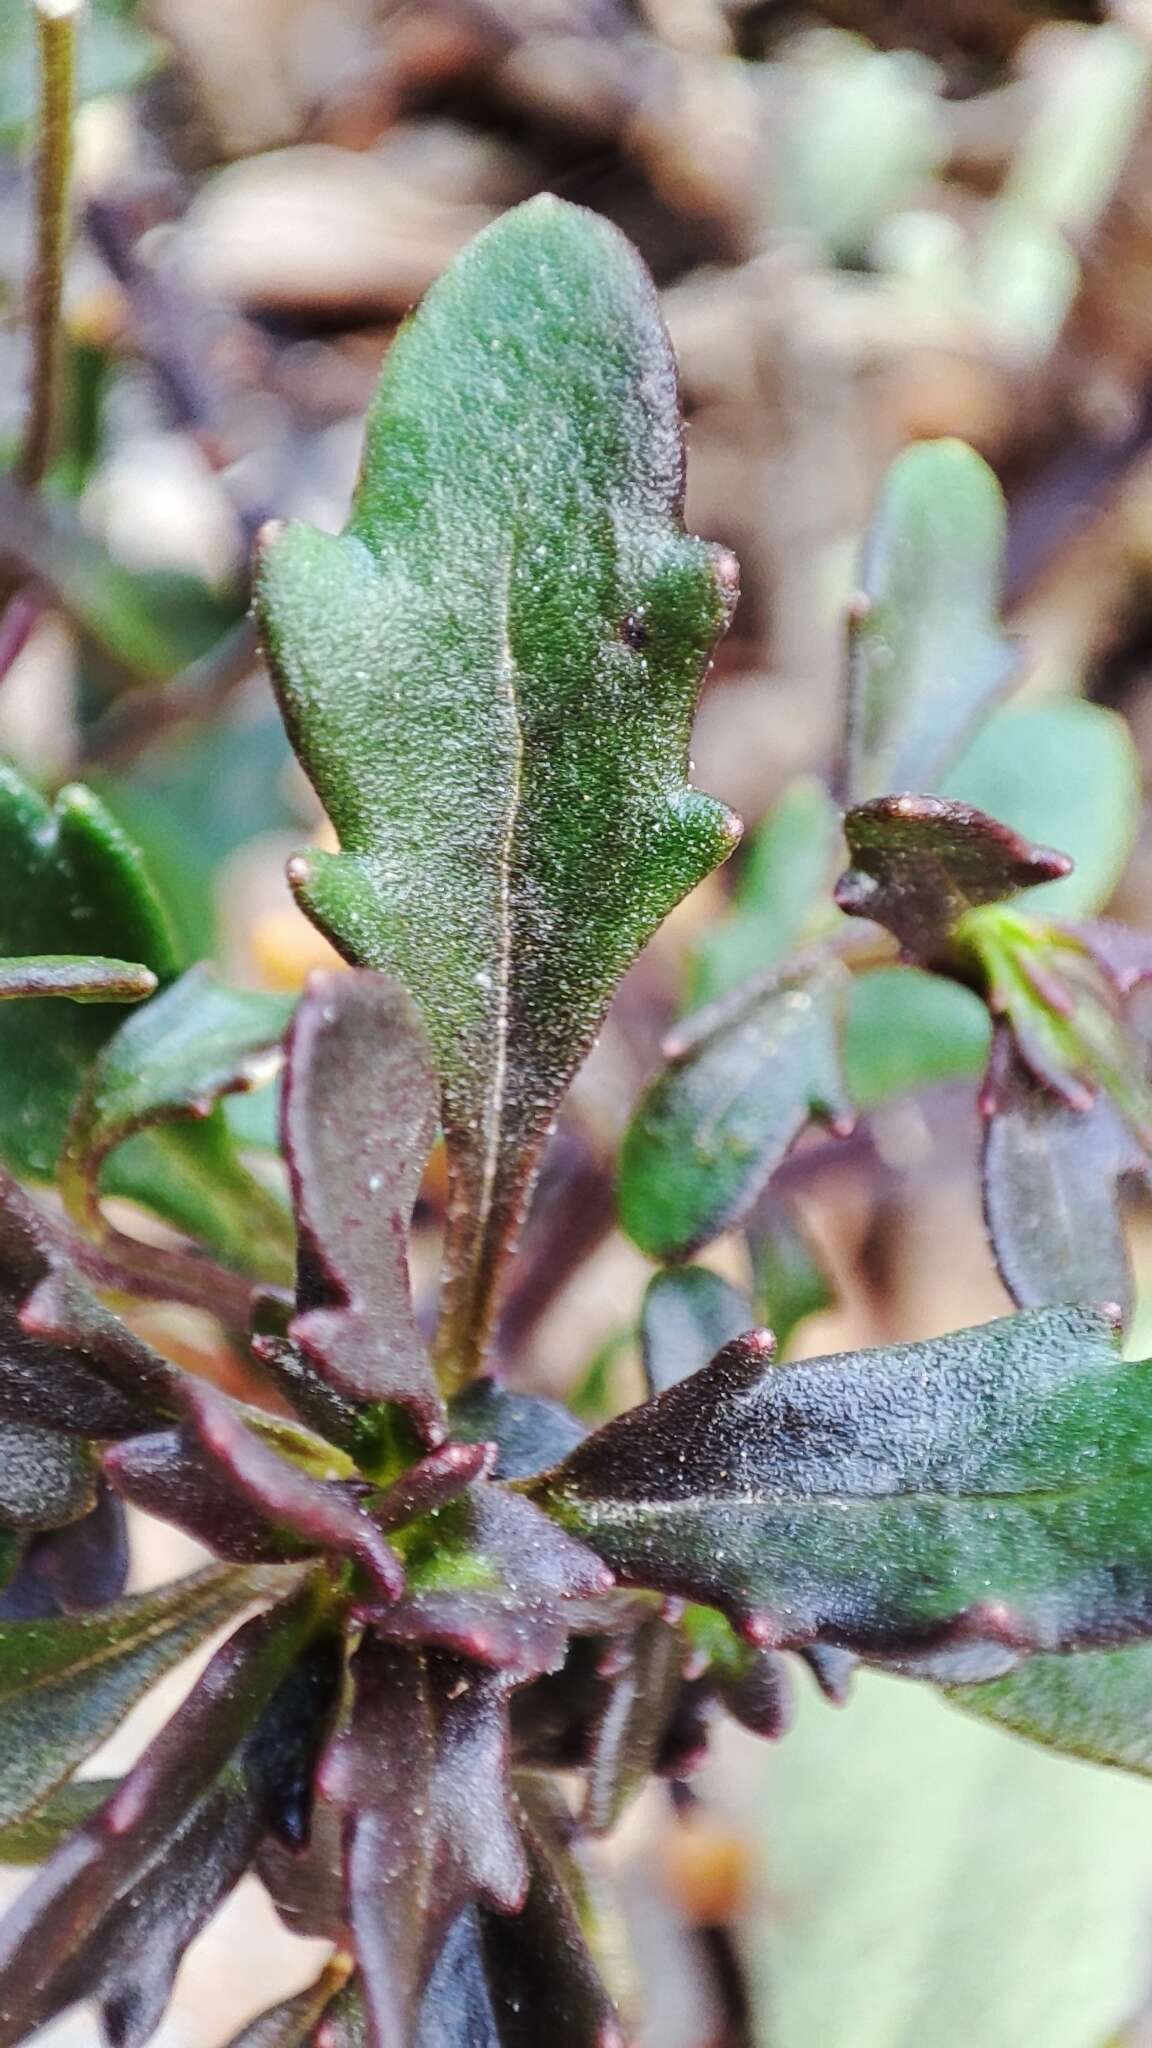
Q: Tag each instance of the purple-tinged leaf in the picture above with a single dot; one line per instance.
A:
(1123, 953)
(543, 1982)
(713, 1127)
(491, 678)
(689, 1315)
(112, 1912)
(927, 658)
(359, 1116)
(989, 1487)
(832, 1669)
(73, 976)
(293, 2023)
(457, 2007)
(492, 1579)
(323, 1514)
(73, 1570)
(420, 1773)
(166, 1475)
(644, 1673)
(66, 1683)
(175, 1058)
(66, 1362)
(921, 863)
(345, 2024)
(757, 1692)
(1051, 1175)
(529, 1433)
(432, 1482)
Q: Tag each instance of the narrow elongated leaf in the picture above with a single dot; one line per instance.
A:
(198, 1041)
(784, 870)
(421, 1774)
(714, 1126)
(1095, 1704)
(645, 1673)
(81, 980)
(986, 1491)
(32, 1839)
(919, 863)
(66, 1683)
(70, 883)
(142, 1876)
(543, 1981)
(1050, 1175)
(927, 657)
(358, 1120)
(688, 1316)
(490, 678)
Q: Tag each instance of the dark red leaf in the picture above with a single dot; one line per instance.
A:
(644, 1672)
(919, 863)
(543, 1982)
(359, 1116)
(421, 1776)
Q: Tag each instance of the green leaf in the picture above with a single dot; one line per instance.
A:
(65, 1684)
(196, 1042)
(713, 1127)
(71, 974)
(957, 1502)
(33, 1837)
(112, 56)
(927, 656)
(490, 678)
(783, 870)
(906, 1029)
(70, 882)
(1063, 773)
(931, 1883)
(1096, 1704)
(788, 1282)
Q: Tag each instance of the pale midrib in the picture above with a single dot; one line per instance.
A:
(499, 1083)
(636, 1512)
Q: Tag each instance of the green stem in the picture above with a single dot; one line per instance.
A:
(56, 44)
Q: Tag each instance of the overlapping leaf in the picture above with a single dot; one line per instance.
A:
(717, 1122)
(421, 1775)
(197, 1041)
(66, 1683)
(920, 863)
(927, 656)
(989, 1488)
(113, 1910)
(490, 678)
(358, 1120)
(784, 871)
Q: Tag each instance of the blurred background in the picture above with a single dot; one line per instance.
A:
(870, 222)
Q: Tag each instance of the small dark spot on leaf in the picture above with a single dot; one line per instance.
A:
(634, 631)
